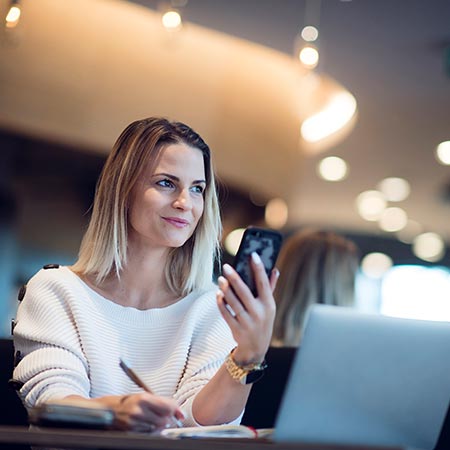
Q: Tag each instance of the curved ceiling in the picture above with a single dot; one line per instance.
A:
(78, 72)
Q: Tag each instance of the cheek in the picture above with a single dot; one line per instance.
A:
(152, 200)
(142, 204)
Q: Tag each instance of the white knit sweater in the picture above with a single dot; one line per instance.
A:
(71, 339)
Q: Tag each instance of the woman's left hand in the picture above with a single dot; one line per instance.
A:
(250, 318)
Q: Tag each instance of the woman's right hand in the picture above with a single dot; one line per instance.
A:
(136, 412)
(146, 412)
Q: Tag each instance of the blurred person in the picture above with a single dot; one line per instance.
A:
(142, 290)
(315, 267)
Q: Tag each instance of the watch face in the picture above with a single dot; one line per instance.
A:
(253, 376)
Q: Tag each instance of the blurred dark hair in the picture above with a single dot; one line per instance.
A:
(315, 267)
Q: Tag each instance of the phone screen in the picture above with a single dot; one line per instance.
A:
(266, 243)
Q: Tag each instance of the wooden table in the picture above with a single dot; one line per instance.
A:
(97, 439)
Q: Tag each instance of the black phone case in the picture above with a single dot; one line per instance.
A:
(266, 243)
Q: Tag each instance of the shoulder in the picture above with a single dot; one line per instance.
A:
(204, 310)
(52, 274)
(209, 330)
(51, 282)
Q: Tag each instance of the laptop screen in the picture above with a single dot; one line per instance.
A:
(367, 379)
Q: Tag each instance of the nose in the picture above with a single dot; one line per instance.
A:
(183, 200)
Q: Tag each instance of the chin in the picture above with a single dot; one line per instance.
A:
(177, 242)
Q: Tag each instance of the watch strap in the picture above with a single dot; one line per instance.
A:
(245, 374)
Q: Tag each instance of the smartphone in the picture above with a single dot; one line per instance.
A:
(69, 416)
(266, 243)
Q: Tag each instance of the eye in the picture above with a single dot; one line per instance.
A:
(198, 189)
(165, 183)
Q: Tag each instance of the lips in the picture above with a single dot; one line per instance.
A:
(176, 222)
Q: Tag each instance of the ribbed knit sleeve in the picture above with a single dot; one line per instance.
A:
(71, 339)
(47, 337)
(210, 345)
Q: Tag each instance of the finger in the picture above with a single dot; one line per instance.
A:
(145, 424)
(135, 418)
(240, 291)
(226, 313)
(145, 412)
(229, 318)
(261, 279)
(156, 410)
(232, 303)
(179, 414)
(274, 276)
(155, 420)
(161, 406)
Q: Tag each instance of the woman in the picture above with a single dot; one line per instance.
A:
(141, 290)
(316, 267)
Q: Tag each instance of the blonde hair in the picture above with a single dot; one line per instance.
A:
(104, 246)
(315, 267)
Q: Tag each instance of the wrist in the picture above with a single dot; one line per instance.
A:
(243, 358)
(244, 373)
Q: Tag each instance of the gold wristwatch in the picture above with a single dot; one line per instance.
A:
(247, 374)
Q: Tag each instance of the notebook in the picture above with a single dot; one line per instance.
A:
(367, 379)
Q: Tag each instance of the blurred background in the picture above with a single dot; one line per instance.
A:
(333, 114)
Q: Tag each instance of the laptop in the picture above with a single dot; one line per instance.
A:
(362, 378)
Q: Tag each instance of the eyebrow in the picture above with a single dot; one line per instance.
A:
(175, 178)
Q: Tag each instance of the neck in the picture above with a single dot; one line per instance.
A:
(142, 282)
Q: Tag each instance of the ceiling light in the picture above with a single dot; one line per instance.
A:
(393, 219)
(310, 33)
(332, 168)
(394, 189)
(370, 205)
(309, 56)
(376, 264)
(336, 114)
(171, 20)
(276, 213)
(13, 16)
(443, 153)
(429, 247)
(233, 240)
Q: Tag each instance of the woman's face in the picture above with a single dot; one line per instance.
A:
(167, 204)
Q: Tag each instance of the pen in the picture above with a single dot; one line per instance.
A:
(132, 375)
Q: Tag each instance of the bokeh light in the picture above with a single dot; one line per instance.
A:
(370, 205)
(376, 264)
(332, 168)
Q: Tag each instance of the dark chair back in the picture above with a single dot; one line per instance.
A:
(12, 412)
(443, 442)
(266, 394)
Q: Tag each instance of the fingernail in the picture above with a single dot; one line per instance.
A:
(222, 281)
(227, 269)
(277, 273)
(256, 258)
